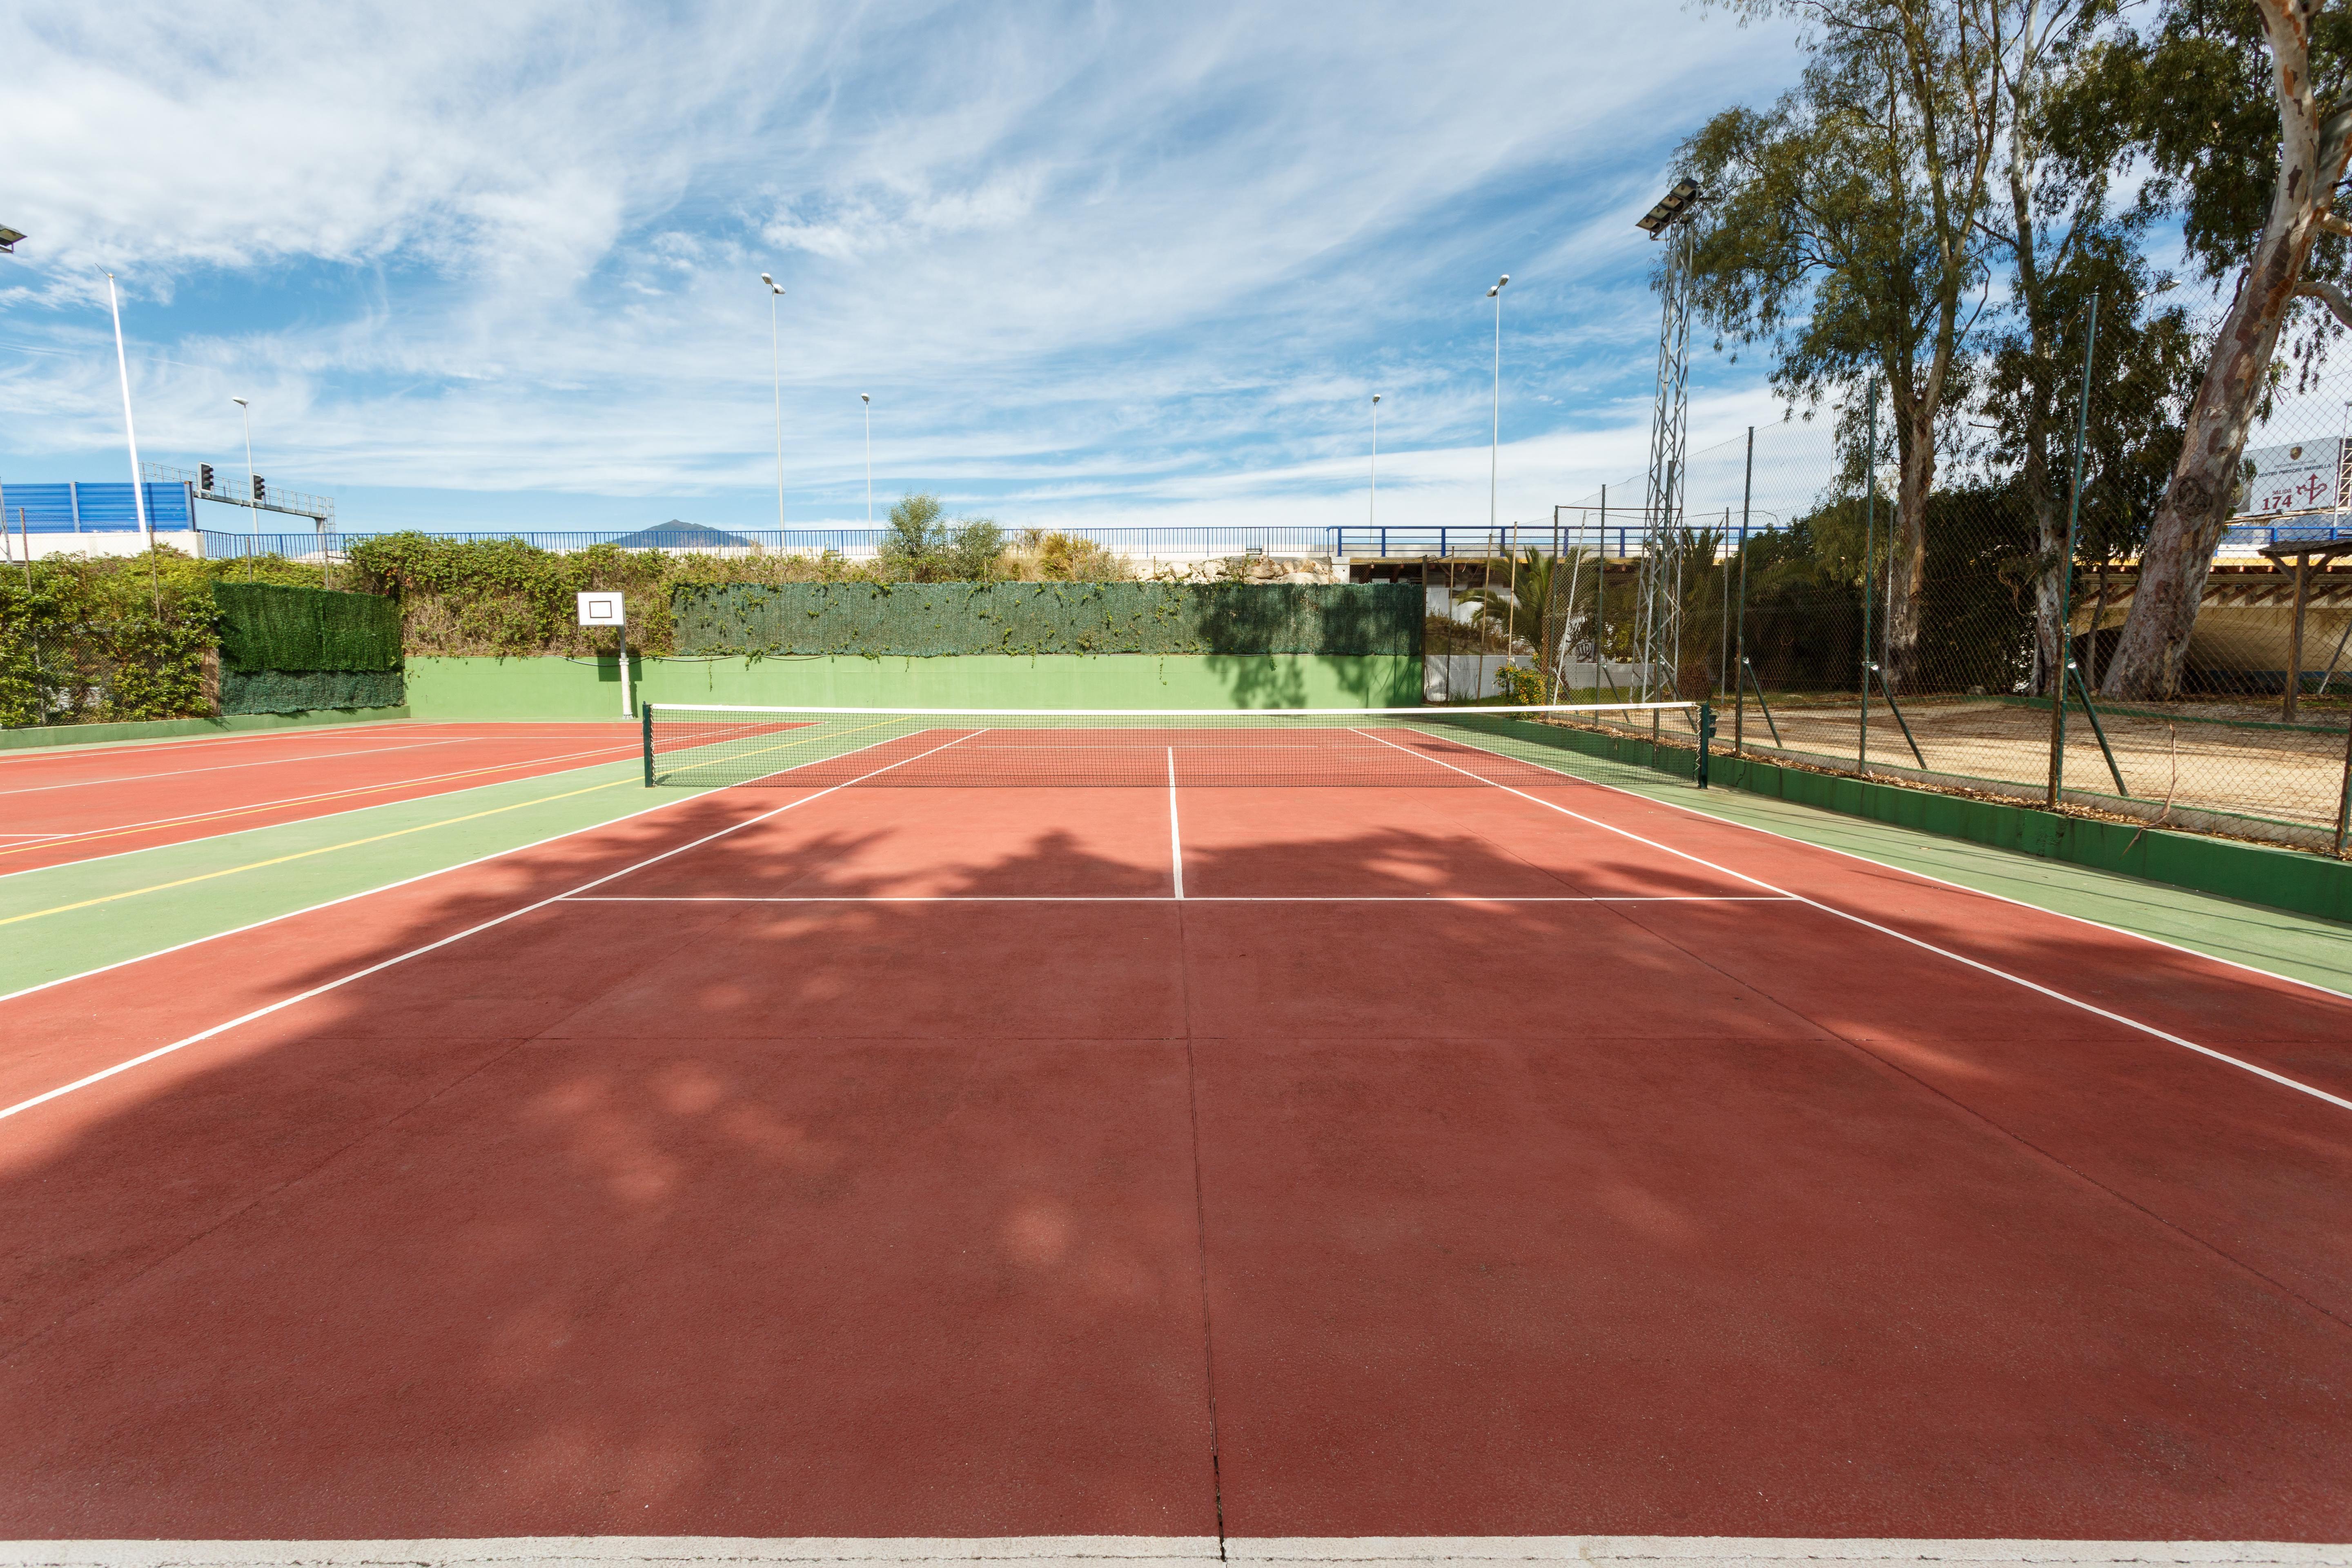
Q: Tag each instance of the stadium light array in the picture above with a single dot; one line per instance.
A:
(1671, 205)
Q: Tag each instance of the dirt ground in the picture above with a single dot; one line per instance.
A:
(2214, 756)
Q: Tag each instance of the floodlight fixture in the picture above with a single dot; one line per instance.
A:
(1498, 285)
(867, 399)
(8, 238)
(1670, 206)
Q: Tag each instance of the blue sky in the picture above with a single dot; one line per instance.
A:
(497, 266)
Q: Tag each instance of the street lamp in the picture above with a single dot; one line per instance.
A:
(1495, 454)
(776, 373)
(1373, 507)
(868, 401)
(253, 529)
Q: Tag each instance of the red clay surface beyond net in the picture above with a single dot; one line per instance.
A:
(914, 1164)
(62, 806)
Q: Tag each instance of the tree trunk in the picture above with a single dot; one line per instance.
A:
(2197, 502)
(2050, 582)
(1904, 581)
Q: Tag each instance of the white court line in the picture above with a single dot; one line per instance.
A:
(298, 799)
(284, 1002)
(1186, 897)
(329, 733)
(233, 767)
(1175, 837)
(2150, 1029)
(80, 862)
(1171, 1552)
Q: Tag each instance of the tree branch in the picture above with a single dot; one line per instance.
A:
(2338, 303)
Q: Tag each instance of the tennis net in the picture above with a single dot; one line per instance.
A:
(702, 747)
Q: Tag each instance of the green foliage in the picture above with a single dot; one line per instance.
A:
(270, 626)
(303, 691)
(1040, 556)
(505, 596)
(2194, 87)
(1520, 687)
(920, 545)
(1803, 624)
(103, 638)
(933, 619)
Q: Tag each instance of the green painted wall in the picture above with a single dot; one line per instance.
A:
(568, 689)
(165, 728)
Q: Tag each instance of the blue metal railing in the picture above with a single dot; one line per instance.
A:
(77, 507)
(1143, 543)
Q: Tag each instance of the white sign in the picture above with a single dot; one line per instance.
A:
(2300, 476)
(601, 610)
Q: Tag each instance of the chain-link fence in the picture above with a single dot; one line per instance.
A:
(1838, 629)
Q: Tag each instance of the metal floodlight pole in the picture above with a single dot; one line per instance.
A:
(868, 401)
(1661, 615)
(1372, 507)
(253, 528)
(776, 374)
(1495, 453)
(130, 437)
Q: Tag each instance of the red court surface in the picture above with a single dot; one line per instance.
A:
(61, 806)
(916, 1161)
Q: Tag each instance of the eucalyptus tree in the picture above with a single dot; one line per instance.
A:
(2239, 108)
(1848, 231)
(2063, 239)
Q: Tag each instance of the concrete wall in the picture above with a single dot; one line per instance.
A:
(543, 688)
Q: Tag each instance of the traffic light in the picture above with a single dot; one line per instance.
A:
(261, 490)
(204, 478)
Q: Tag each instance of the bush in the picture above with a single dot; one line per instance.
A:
(104, 639)
(1520, 687)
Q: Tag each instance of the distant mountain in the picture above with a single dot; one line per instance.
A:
(677, 535)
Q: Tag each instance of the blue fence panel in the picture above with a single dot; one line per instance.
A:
(79, 508)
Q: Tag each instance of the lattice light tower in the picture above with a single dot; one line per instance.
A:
(1659, 628)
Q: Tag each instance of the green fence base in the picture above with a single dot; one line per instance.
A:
(34, 735)
(2295, 881)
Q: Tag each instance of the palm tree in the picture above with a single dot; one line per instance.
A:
(1533, 613)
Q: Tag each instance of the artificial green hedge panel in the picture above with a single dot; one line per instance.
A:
(264, 626)
(306, 691)
(928, 619)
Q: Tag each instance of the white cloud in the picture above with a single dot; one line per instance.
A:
(1159, 255)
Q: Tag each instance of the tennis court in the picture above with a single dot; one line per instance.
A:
(1220, 1132)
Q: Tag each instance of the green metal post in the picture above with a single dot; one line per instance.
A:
(1766, 708)
(2098, 729)
(646, 721)
(1869, 572)
(1739, 637)
(2066, 570)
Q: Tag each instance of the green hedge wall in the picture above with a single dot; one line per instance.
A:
(265, 626)
(309, 690)
(930, 619)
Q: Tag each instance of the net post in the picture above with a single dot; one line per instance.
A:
(1705, 734)
(646, 720)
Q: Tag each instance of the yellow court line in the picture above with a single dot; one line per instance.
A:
(90, 835)
(306, 854)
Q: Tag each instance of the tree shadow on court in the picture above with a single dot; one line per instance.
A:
(883, 1215)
